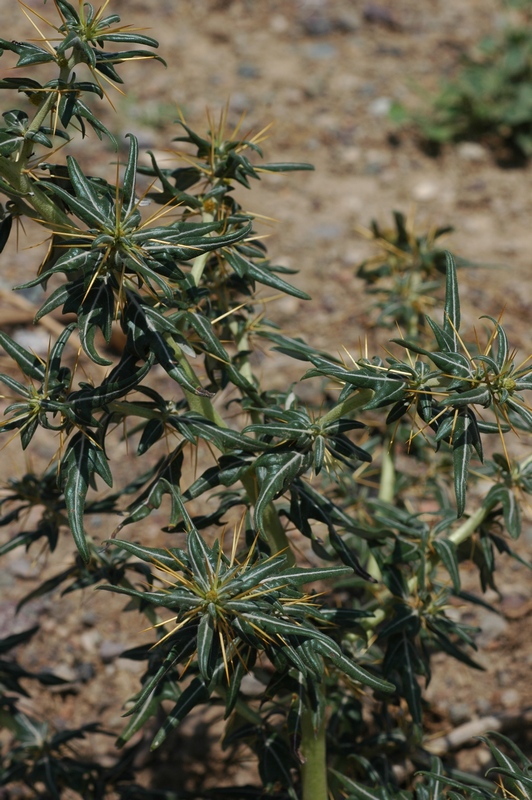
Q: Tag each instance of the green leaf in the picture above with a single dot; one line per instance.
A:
(295, 576)
(447, 552)
(461, 444)
(503, 347)
(349, 668)
(451, 312)
(201, 559)
(130, 174)
(276, 472)
(444, 340)
(285, 166)
(205, 644)
(82, 459)
(5, 230)
(356, 790)
(86, 193)
(480, 395)
(510, 507)
(517, 780)
(172, 557)
(31, 365)
(262, 274)
(195, 694)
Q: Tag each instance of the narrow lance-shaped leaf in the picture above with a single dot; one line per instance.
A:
(503, 347)
(31, 365)
(130, 175)
(447, 552)
(82, 459)
(85, 191)
(195, 693)
(451, 310)
(280, 469)
(461, 443)
(349, 668)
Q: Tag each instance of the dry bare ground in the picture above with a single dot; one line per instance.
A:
(325, 72)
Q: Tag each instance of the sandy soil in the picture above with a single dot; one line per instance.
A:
(325, 72)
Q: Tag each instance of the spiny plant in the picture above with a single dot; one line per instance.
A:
(406, 275)
(312, 494)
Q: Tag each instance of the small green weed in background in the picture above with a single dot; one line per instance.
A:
(312, 549)
(489, 100)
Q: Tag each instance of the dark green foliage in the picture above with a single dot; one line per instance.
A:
(182, 284)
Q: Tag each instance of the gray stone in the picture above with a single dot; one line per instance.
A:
(380, 107)
(328, 231)
(510, 698)
(317, 24)
(471, 151)
(320, 51)
(248, 71)
(459, 713)
(24, 568)
(425, 190)
(110, 650)
(491, 627)
(85, 671)
(347, 22)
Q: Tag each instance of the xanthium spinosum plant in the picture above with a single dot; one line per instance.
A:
(332, 589)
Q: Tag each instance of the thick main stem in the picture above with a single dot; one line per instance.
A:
(314, 752)
(273, 532)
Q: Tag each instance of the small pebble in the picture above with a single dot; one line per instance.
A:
(317, 24)
(66, 673)
(89, 619)
(279, 23)
(380, 107)
(471, 151)
(248, 71)
(239, 102)
(491, 627)
(503, 678)
(483, 757)
(484, 706)
(85, 671)
(347, 22)
(90, 640)
(328, 231)
(320, 51)
(425, 190)
(510, 698)
(36, 340)
(110, 650)
(251, 686)
(459, 713)
(24, 568)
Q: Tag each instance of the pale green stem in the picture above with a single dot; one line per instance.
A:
(16, 175)
(274, 532)
(314, 751)
(351, 403)
(242, 343)
(198, 265)
(387, 481)
(386, 494)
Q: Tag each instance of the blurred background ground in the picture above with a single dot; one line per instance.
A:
(325, 72)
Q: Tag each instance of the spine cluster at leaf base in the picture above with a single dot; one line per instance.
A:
(333, 585)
